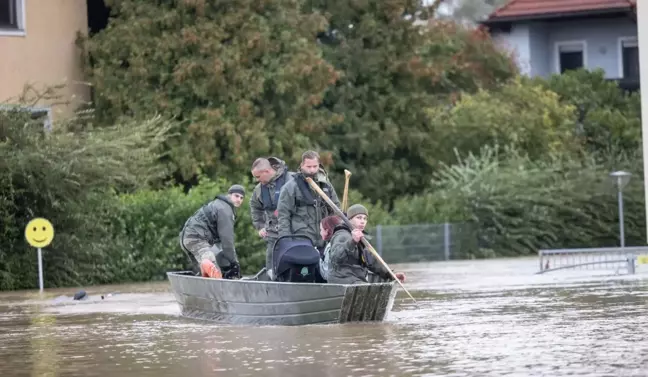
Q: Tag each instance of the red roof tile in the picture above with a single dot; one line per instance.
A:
(526, 8)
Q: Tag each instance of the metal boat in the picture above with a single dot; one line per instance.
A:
(253, 302)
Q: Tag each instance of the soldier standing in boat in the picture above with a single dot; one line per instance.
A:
(300, 208)
(272, 174)
(208, 236)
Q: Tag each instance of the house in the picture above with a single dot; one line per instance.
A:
(37, 46)
(552, 36)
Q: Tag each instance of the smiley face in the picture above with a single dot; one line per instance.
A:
(39, 232)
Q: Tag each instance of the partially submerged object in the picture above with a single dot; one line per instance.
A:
(253, 302)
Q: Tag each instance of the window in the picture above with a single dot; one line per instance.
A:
(43, 114)
(11, 17)
(628, 58)
(570, 55)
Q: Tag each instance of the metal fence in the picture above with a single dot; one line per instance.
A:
(424, 242)
(605, 258)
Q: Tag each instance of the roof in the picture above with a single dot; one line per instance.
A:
(516, 10)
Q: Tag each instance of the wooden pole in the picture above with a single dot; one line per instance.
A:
(345, 196)
(328, 201)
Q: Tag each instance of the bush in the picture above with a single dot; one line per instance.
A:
(522, 115)
(149, 222)
(65, 177)
(521, 206)
(608, 118)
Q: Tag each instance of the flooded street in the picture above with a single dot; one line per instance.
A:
(474, 318)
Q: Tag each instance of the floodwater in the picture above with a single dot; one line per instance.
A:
(474, 318)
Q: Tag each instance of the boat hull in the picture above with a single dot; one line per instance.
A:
(250, 302)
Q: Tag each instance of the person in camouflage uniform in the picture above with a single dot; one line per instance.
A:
(208, 236)
(346, 261)
(300, 208)
(272, 174)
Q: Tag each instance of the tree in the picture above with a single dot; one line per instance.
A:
(608, 118)
(392, 70)
(521, 115)
(245, 77)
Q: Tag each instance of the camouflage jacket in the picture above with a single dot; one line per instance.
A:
(265, 198)
(349, 261)
(301, 209)
(214, 223)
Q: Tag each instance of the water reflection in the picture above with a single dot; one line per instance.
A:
(44, 345)
(485, 318)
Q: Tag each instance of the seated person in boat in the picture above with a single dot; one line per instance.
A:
(300, 209)
(208, 236)
(346, 261)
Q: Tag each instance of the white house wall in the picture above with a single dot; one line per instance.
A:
(601, 37)
(517, 41)
(534, 44)
(539, 50)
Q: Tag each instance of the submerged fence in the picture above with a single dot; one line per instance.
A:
(424, 242)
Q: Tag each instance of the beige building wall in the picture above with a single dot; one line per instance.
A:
(44, 53)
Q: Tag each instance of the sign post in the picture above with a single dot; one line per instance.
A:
(39, 233)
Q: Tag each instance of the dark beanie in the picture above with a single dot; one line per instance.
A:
(236, 189)
(357, 209)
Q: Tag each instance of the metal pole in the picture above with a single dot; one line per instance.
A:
(621, 224)
(631, 265)
(642, 34)
(379, 240)
(40, 269)
(446, 241)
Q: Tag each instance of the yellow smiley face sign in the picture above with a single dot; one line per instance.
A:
(39, 232)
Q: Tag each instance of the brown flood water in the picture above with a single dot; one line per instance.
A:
(475, 318)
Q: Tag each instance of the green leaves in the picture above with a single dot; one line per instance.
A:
(244, 76)
(276, 77)
(394, 71)
(65, 176)
(520, 205)
(608, 118)
(523, 116)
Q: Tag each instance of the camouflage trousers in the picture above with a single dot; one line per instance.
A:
(199, 250)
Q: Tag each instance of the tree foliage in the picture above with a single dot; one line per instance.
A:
(250, 78)
(245, 76)
(392, 70)
(608, 118)
(520, 115)
(64, 177)
(522, 205)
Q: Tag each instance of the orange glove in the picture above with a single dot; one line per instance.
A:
(209, 270)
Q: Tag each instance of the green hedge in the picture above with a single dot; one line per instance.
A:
(149, 222)
(146, 226)
(520, 206)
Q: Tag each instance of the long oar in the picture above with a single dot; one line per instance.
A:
(345, 195)
(364, 240)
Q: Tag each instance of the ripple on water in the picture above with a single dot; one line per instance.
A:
(474, 318)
